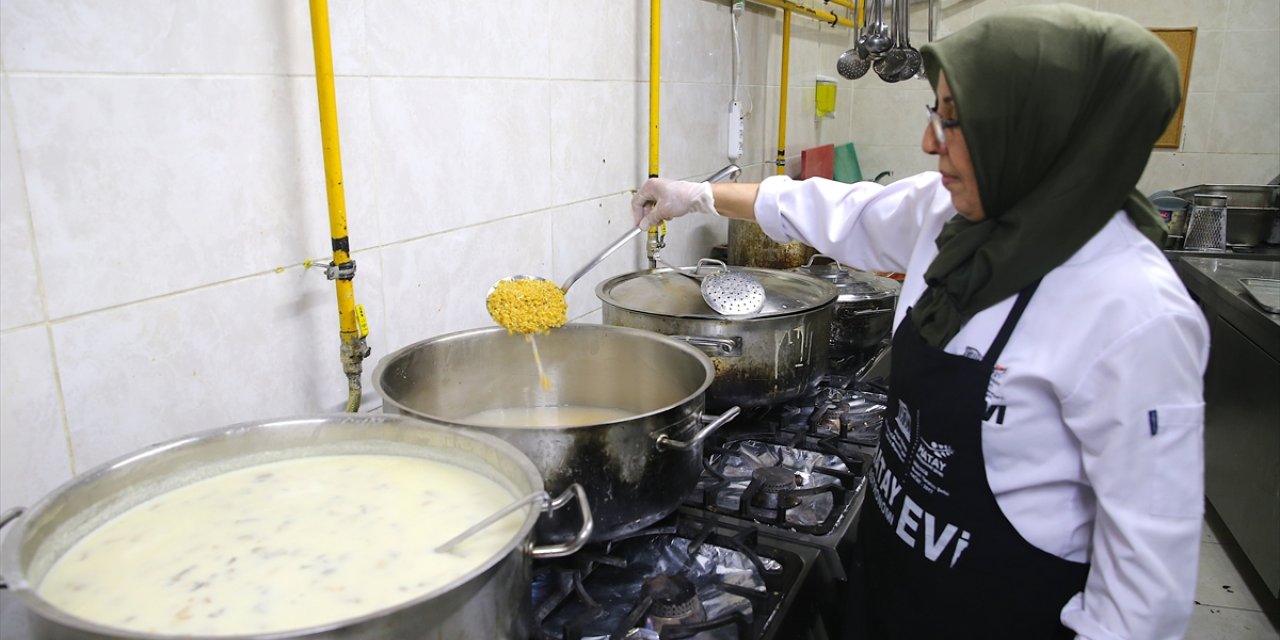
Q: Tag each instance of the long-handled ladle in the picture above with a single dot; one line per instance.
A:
(730, 172)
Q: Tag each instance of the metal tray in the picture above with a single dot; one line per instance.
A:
(1265, 290)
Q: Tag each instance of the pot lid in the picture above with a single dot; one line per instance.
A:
(670, 291)
(854, 284)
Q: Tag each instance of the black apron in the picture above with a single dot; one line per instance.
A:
(940, 559)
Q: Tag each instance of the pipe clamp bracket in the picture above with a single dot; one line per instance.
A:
(344, 271)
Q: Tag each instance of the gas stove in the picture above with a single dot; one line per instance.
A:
(797, 471)
(757, 550)
(688, 577)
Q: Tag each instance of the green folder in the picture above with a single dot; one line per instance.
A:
(846, 164)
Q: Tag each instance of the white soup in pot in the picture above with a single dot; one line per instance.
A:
(282, 546)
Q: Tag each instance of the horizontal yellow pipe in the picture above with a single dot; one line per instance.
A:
(821, 16)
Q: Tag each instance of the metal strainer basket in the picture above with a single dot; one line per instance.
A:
(1207, 227)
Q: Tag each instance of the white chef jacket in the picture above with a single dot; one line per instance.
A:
(1098, 454)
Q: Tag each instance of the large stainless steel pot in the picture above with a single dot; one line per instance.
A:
(863, 316)
(492, 601)
(636, 470)
(760, 359)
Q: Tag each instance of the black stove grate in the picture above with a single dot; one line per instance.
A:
(575, 599)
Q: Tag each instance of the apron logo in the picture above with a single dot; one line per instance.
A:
(916, 527)
(998, 373)
(899, 438)
(904, 420)
(933, 455)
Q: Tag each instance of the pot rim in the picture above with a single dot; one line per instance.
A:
(825, 294)
(393, 357)
(17, 582)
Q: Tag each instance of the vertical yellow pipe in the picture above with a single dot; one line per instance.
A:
(781, 161)
(655, 241)
(655, 78)
(352, 340)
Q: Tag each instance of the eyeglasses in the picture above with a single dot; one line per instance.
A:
(940, 124)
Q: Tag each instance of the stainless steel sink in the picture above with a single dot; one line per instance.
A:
(1252, 209)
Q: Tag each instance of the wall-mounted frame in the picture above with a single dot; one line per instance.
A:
(1183, 44)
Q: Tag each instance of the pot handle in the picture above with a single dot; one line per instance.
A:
(10, 515)
(827, 260)
(866, 312)
(713, 422)
(584, 534)
(6, 518)
(722, 347)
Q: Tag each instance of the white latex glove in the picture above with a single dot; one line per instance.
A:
(661, 199)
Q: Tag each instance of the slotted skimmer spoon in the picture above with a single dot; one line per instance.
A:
(728, 293)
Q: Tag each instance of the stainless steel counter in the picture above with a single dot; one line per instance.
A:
(1215, 282)
(1260, 252)
(1242, 406)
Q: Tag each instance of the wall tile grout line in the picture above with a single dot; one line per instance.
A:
(39, 275)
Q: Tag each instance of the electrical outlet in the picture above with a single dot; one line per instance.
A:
(736, 130)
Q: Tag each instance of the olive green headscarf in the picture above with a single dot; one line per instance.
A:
(1060, 107)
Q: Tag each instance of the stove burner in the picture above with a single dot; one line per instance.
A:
(775, 485)
(740, 586)
(674, 601)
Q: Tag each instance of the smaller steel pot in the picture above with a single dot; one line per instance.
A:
(863, 315)
(636, 469)
(760, 359)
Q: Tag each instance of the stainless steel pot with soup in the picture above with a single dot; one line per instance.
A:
(343, 526)
(760, 359)
(621, 412)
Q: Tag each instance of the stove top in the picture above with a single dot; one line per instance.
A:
(757, 550)
(687, 577)
(797, 471)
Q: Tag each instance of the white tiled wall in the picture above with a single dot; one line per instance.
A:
(163, 185)
(161, 181)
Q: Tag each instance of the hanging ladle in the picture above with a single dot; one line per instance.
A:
(727, 173)
(912, 61)
(878, 38)
(890, 65)
(855, 62)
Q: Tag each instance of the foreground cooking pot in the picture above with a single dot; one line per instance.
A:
(491, 601)
(760, 359)
(863, 315)
(636, 470)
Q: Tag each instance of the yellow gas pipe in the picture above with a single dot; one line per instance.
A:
(342, 269)
(781, 160)
(657, 234)
(816, 14)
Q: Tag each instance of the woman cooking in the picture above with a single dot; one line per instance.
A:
(1042, 475)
